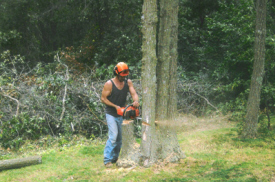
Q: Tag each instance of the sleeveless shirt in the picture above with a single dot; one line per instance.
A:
(118, 97)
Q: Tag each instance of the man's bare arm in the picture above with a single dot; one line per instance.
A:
(107, 89)
(133, 93)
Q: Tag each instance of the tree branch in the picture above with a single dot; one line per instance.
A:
(205, 100)
(65, 89)
(17, 101)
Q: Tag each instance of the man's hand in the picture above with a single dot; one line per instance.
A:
(135, 104)
(117, 107)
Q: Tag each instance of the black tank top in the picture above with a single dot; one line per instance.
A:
(118, 97)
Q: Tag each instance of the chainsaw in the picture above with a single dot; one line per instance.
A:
(128, 112)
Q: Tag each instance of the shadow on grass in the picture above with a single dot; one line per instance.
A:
(218, 172)
(231, 137)
(92, 150)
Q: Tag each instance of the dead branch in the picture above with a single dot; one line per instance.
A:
(17, 101)
(65, 89)
(92, 111)
(206, 100)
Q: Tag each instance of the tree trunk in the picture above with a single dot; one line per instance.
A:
(148, 79)
(252, 113)
(17, 163)
(172, 100)
(169, 149)
(159, 141)
(163, 64)
(129, 155)
(167, 60)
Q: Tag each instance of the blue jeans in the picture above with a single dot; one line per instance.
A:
(113, 144)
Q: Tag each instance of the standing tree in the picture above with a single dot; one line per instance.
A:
(159, 140)
(252, 113)
(159, 83)
(148, 79)
(166, 105)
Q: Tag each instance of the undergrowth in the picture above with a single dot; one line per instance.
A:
(211, 145)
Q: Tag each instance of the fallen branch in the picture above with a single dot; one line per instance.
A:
(205, 100)
(18, 163)
(17, 101)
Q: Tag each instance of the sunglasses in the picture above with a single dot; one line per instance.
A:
(124, 72)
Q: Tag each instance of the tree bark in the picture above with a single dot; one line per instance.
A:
(17, 163)
(148, 79)
(169, 149)
(129, 155)
(167, 60)
(172, 100)
(252, 113)
(163, 64)
(159, 141)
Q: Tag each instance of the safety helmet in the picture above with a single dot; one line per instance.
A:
(121, 69)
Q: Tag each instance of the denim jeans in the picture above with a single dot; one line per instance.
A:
(113, 144)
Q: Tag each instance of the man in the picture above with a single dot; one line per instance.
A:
(114, 95)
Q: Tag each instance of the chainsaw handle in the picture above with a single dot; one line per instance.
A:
(126, 109)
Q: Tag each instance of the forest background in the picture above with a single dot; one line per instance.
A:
(56, 55)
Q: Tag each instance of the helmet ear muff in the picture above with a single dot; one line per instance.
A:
(115, 71)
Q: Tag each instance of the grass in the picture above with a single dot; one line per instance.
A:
(213, 153)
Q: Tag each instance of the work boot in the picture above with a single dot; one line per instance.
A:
(108, 165)
(114, 161)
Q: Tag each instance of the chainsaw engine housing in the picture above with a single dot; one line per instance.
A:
(129, 112)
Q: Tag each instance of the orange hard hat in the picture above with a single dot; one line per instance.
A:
(121, 69)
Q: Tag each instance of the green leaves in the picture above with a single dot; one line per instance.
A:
(21, 128)
(48, 99)
(5, 37)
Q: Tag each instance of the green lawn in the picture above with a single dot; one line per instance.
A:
(213, 153)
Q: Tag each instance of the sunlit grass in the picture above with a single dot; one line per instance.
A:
(220, 155)
(211, 145)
